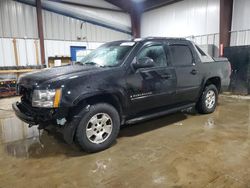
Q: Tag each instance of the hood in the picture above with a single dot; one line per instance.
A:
(38, 77)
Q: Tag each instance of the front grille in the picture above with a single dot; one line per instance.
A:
(26, 94)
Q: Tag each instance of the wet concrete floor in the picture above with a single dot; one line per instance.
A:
(179, 150)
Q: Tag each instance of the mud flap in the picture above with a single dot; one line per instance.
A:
(68, 131)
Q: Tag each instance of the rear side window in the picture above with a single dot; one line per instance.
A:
(156, 52)
(180, 55)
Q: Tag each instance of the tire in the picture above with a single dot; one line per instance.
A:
(98, 128)
(206, 104)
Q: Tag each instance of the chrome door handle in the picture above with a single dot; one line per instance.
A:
(167, 76)
(194, 72)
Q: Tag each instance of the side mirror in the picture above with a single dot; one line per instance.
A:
(145, 62)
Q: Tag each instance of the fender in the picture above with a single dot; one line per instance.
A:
(83, 96)
(119, 97)
(203, 84)
(69, 129)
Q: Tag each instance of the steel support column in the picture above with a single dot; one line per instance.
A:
(226, 11)
(40, 29)
(135, 16)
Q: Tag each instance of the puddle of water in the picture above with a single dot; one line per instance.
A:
(18, 140)
(210, 123)
(13, 129)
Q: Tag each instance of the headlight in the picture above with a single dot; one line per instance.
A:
(46, 98)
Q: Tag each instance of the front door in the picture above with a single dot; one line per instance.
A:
(151, 87)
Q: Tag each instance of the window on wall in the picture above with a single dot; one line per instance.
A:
(155, 52)
(180, 55)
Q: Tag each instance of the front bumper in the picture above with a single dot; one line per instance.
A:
(23, 113)
(37, 116)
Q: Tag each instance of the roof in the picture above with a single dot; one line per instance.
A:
(157, 38)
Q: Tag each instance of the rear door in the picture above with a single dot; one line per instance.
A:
(187, 72)
(154, 86)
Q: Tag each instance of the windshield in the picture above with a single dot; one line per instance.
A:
(111, 54)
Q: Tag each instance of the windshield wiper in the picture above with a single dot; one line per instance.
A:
(90, 63)
(96, 64)
(93, 63)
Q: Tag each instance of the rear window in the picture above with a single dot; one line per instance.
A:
(180, 55)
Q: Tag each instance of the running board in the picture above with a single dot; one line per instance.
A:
(157, 114)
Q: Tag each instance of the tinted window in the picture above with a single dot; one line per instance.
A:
(156, 52)
(180, 55)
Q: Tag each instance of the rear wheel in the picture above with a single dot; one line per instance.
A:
(208, 100)
(98, 128)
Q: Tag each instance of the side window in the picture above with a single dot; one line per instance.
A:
(180, 55)
(156, 52)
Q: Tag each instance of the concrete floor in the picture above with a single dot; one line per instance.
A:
(180, 150)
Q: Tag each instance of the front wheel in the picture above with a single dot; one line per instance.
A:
(208, 100)
(98, 128)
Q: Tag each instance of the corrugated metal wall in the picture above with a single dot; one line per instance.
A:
(59, 27)
(26, 52)
(18, 20)
(240, 34)
(182, 19)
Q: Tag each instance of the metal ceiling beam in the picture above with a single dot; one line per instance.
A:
(63, 9)
(226, 11)
(153, 4)
(87, 6)
(125, 5)
(135, 9)
(129, 5)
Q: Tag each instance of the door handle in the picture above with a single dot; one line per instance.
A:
(194, 72)
(167, 76)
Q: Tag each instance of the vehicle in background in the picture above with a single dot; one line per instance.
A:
(7, 88)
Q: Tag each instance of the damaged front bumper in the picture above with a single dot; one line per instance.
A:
(23, 113)
(35, 116)
(46, 117)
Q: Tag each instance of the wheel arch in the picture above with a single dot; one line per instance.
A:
(109, 98)
(81, 107)
(215, 81)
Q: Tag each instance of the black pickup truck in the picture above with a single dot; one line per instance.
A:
(121, 82)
